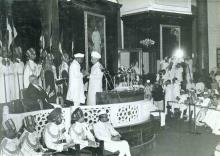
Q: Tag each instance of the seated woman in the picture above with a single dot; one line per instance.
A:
(79, 130)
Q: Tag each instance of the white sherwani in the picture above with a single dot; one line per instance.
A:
(31, 68)
(29, 143)
(76, 88)
(52, 135)
(104, 131)
(80, 134)
(95, 83)
(9, 147)
(18, 77)
(6, 82)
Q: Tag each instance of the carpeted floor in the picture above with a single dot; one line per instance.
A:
(177, 139)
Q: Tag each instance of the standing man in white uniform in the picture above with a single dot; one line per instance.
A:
(76, 87)
(95, 78)
(18, 72)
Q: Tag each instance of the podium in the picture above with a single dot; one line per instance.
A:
(114, 97)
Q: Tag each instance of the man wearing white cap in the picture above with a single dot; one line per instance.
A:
(105, 131)
(76, 87)
(95, 78)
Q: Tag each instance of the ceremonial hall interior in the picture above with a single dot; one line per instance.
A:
(109, 77)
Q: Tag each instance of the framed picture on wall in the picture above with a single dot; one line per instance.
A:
(218, 57)
(95, 36)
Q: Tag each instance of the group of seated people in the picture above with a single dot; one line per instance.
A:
(56, 140)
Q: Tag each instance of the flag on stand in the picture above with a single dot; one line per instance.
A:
(60, 48)
(72, 47)
(50, 43)
(12, 33)
(42, 42)
(9, 31)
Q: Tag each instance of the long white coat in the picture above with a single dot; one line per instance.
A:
(6, 82)
(104, 131)
(18, 78)
(76, 88)
(95, 83)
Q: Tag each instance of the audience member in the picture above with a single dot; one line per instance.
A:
(79, 130)
(105, 131)
(29, 140)
(158, 96)
(10, 143)
(35, 97)
(55, 135)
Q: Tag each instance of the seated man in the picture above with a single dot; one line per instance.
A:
(55, 136)
(35, 97)
(80, 132)
(29, 140)
(10, 144)
(105, 131)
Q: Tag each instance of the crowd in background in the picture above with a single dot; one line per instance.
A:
(177, 89)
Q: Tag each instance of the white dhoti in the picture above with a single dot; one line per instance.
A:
(121, 146)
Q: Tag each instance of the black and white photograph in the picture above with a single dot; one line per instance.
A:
(109, 78)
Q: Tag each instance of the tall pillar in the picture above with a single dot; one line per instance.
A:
(202, 35)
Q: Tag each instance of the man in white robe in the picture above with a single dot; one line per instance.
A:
(105, 131)
(18, 66)
(31, 68)
(75, 91)
(6, 78)
(95, 78)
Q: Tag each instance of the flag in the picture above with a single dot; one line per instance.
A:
(42, 42)
(14, 31)
(50, 42)
(60, 48)
(9, 30)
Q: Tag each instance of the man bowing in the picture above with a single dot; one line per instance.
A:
(75, 92)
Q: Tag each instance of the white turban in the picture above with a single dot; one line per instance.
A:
(78, 55)
(95, 54)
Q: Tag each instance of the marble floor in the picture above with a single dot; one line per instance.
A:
(177, 139)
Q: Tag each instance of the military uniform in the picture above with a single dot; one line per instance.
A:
(80, 134)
